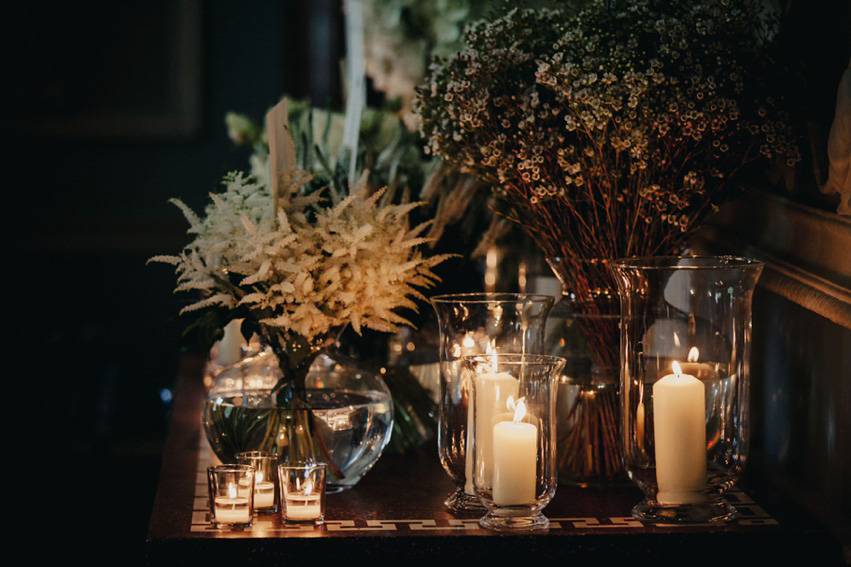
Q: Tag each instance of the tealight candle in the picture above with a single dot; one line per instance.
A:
(232, 510)
(264, 494)
(679, 424)
(303, 491)
(227, 506)
(264, 463)
(303, 507)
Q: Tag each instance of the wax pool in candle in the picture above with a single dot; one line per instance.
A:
(679, 425)
(492, 389)
(232, 510)
(515, 452)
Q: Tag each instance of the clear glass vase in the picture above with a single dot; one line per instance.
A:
(514, 473)
(471, 324)
(686, 335)
(584, 328)
(350, 406)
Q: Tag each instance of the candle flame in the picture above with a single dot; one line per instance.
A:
(693, 354)
(308, 486)
(677, 370)
(520, 410)
(467, 341)
(259, 477)
(491, 350)
(231, 490)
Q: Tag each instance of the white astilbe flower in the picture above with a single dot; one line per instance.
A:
(307, 269)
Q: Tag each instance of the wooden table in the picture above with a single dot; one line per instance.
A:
(395, 513)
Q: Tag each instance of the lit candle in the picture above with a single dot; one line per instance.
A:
(232, 509)
(491, 389)
(515, 456)
(700, 370)
(679, 424)
(304, 505)
(264, 492)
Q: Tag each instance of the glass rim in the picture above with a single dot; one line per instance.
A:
(490, 297)
(235, 468)
(301, 465)
(514, 357)
(702, 262)
(255, 455)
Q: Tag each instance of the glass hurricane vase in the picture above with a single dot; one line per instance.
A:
(471, 324)
(685, 381)
(514, 473)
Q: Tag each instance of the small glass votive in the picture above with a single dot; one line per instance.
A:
(302, 491)
(265, 479)
(514, 468)
(231, 489)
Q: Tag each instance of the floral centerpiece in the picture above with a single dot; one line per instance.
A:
(609, 131)
(298, 264)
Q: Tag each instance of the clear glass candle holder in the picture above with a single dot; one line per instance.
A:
(514, 437)
(471, 324)
(231, 490)
(302, 491)
(685, 343)
(265, 479)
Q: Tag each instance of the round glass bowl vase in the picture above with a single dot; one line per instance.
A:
(471, 324)
(685, 381)
(353, 407)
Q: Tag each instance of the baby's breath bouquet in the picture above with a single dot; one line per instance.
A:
(299, 263)
(608, 131)
(613, 130)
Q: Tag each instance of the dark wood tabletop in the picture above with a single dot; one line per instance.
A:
(395, 513)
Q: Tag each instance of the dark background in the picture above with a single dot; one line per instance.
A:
(112, 109)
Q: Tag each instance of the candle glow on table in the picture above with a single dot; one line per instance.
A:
(231, 509)
(679, 424)
(303, 504)
(515, 455)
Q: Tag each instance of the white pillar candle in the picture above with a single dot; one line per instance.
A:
(232, 510)
(492, 391)
(679, 425)
(514, 463)
(303, 507)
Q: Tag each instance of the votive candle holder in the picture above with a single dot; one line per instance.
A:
(265, 479)
(472, 324)
(685, 381)
(514, 437)
(231, 492)
(302, 491)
